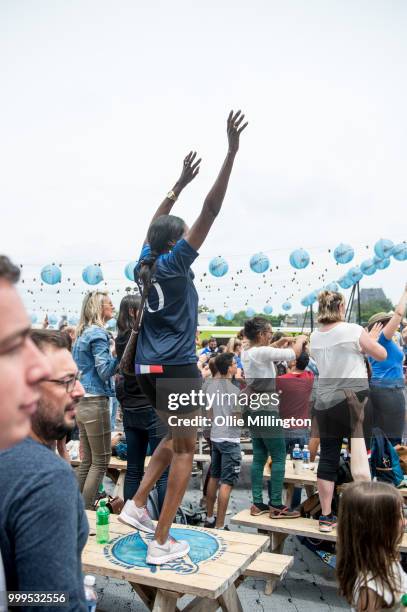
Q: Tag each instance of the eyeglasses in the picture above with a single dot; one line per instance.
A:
(68, 382)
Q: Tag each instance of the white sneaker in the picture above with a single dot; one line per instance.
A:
(157, 554)
(136, 517)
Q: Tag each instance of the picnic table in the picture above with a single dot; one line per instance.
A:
(280, 529)
(217, 563)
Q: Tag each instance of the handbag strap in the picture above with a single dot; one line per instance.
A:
(139, 317)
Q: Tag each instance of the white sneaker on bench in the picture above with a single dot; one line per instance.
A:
(157, 554)
(136, 517)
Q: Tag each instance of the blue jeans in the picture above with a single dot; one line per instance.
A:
(113, 411)
(143, 429)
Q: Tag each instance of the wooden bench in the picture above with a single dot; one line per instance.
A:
(216, 565)
(118, 467)
(279, 529)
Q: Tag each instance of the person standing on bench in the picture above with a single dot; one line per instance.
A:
(387, 386)
(258, 363)
(338, 347)
(166, 344)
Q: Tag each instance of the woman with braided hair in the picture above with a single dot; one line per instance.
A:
(338, 348)
(166, 362)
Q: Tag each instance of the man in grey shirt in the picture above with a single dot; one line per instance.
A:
(22, 367)
(43, 525)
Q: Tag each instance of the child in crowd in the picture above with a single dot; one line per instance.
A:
(370, 528)
(225, 439)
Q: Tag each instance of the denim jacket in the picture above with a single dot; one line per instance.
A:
(91, 353)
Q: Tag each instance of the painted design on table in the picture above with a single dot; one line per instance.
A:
(130, 551)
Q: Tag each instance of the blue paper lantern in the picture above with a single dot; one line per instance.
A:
(343, 253)
(309, 299)
(51, 275)
(229, 315)
(345, 282)
(111, 324)
(129, 270)
(332, 286)
(92, 275)
(268, 309)
(381, 264)
(33, 318)
(218, 266)
(368, 267)
(73, 320)
(286, 306)
(299, 259)
(259, 263)
(400, 251)
(52, 319)
(383, 248)
(355, 275)
(211, 317)
(250, 312)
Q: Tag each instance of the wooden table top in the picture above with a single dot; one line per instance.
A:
(216, 559)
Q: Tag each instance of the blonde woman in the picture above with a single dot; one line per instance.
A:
(91, 353)
(338, 349)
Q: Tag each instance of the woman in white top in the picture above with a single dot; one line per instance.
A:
(258, 364)
(337, 348)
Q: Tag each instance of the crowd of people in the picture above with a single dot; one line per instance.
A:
(344, 378)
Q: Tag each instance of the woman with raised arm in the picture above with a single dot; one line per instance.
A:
(165, 357)
(387, 382)
(338, 348)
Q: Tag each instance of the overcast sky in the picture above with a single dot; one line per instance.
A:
(100, 101)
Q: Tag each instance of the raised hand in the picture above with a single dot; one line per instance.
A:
(235, 127)
(190, 169)
(376, 331)
(356, 408)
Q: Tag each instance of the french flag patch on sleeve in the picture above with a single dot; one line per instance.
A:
(148, 369)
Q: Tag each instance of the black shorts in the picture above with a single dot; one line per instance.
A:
(174, 391)
(226, 458)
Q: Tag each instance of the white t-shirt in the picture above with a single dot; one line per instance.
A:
(340, 363)
(383, 591)
(258, 365)
(3, 604)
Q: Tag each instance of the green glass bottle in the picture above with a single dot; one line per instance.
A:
(102, 523)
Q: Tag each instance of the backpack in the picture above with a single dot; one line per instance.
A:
(384, 462)
(154, 513)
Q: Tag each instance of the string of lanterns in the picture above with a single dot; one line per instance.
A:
(259, 263)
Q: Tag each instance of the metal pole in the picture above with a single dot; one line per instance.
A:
(312, 318)
(350, 304)
(305, 318)
(359, 309)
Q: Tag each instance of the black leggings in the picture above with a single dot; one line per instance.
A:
(334, 425)
(389, 408)
(143, 429)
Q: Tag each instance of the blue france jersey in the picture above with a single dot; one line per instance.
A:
(170, 320)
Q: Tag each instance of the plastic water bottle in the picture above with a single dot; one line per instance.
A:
(102, 523)
(306, 454)
(297, 454)
(90, 593)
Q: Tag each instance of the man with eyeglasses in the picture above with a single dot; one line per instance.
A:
(43, 525)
